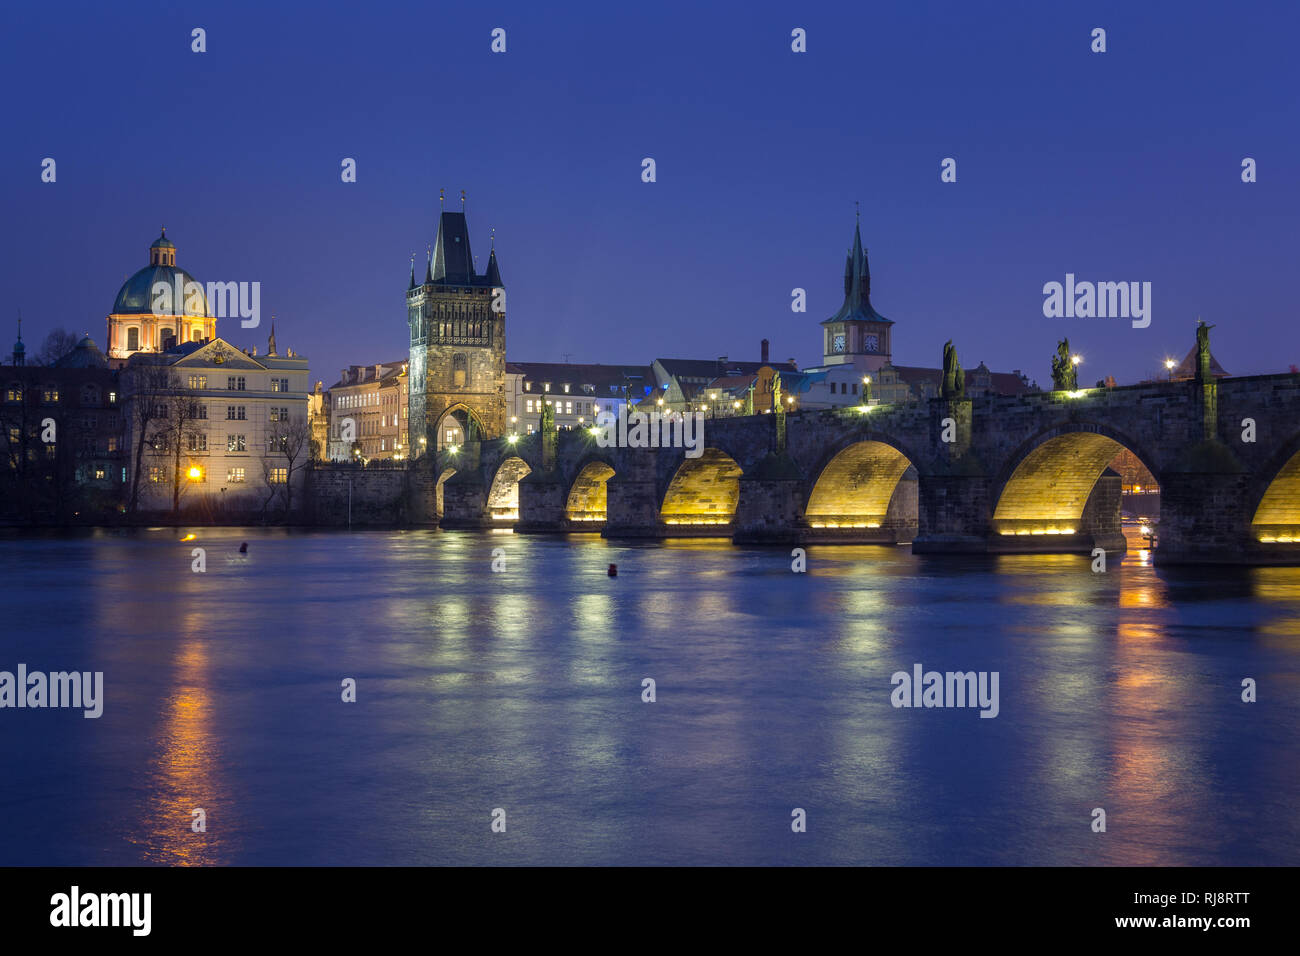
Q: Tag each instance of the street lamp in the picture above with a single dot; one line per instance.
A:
(195, 473)
(1169, 366)
(1076, 359)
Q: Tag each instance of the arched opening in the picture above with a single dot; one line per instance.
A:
(867, 485)
(704, 491)
(588, 497)
(1277, 519)
(503, 497)
(453, 428)
(1073, 485)
(442, 480)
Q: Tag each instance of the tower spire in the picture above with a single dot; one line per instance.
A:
(428, 268)
(412, 285)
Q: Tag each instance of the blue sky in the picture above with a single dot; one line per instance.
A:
(1116, 166)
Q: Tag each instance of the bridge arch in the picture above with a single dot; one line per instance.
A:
(856, 484)
(1276, 518)
(1047, 482)
(442, 480)
(503, 494)
(703, 491)
(587, 501)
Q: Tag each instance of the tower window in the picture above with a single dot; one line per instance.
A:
(459, 369)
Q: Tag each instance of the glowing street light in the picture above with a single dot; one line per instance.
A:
(512, 438)
(195, 473)
(1076, 359)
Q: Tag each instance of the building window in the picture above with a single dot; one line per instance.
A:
(528, 386)
(112, 398)
(566, 388)
(198, 442)
(14, 393)
(99, 474)
(528, 405)
(568, 406)
(198, 381)
(50, 395)
(279, 476)
(234, 475)
(459, 369)
(133, 339)
(90, 395)
(201, 412)
(235, 383)
(234, 443)
(112, 444)
(156, 474)
(546, 386)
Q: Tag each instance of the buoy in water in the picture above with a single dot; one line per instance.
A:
(243, 548)
(613, 570)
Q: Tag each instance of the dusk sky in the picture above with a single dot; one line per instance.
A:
(1122, 166)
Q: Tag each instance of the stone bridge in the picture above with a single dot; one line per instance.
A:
(990, 474)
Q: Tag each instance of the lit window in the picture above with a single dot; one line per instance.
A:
(235, 475)
(278, 475)
(234, 443)
(155, 474)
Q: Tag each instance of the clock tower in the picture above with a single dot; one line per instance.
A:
(856, 335)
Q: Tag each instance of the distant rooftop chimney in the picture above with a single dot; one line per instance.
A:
(764, 352)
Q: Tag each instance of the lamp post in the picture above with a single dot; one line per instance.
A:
(866, 389)
(1169, 367)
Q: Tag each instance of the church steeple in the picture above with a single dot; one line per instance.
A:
(412, 285)
(857, 334)
(494, 271)
(20, 350)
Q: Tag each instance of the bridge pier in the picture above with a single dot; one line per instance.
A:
(464, 501)
(631, 507)
(1206, 519)
(770, 507)
(542, 500)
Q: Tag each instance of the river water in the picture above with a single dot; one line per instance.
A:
(521, 690)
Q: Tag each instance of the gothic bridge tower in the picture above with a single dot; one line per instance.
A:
(457, 322)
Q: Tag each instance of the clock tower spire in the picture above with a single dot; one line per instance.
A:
(857, 334)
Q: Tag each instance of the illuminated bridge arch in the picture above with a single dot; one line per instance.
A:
(1277, 518)
(503, 496)
(856, 486)
(442, 480)
(1051, 480)
(588, 495)
(703, 492)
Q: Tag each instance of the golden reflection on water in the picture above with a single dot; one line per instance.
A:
(182, 776)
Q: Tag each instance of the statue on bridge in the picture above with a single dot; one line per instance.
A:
(778, 412)
(1203, 374)
(549, 434)
(954, 379)
(1065, 375)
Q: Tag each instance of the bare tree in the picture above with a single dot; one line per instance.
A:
(147, 390)
(56, 345)
(177, 428)
(288, 450)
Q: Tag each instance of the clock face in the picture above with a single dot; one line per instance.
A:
(837, 343)
(871, 342)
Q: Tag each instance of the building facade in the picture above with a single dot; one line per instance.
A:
(577, 393)
(215, 427)
(369, 413)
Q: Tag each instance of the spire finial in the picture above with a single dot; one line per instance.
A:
(441, 197)
(857, 211)
(462, 200)
(494, 239)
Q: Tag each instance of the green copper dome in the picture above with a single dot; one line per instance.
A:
(162, 242)
(137, 294)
